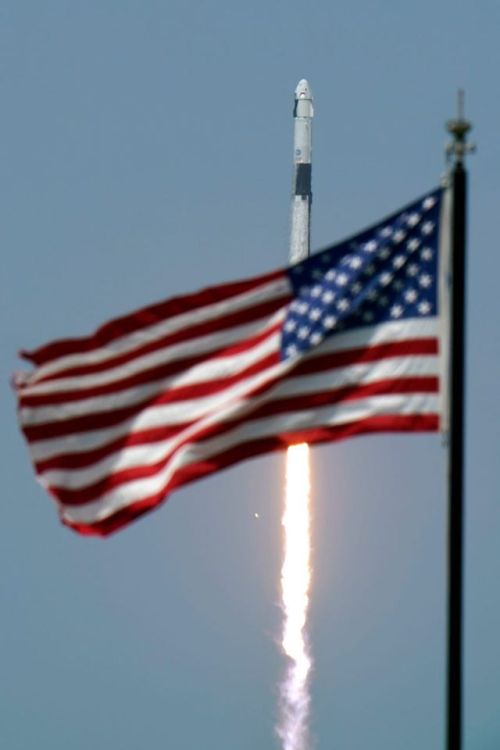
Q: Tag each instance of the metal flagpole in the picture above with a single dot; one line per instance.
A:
(457, 151)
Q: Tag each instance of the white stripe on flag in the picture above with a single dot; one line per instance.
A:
(126, 494)
(130, 342)
(149, 454)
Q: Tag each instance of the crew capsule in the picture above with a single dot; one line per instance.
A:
(303, 100)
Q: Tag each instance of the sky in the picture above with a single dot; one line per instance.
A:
(146, 151)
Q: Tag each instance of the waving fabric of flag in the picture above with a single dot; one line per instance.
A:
(343, 343)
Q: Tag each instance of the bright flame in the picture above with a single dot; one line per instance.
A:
(295, 583)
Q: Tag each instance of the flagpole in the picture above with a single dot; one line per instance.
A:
(457, 151)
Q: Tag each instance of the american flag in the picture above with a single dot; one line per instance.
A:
(343, 343)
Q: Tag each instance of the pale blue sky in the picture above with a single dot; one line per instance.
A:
(146, 151)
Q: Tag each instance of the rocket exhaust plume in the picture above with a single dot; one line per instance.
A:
(293, 726)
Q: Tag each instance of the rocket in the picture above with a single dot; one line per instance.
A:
(302, 196)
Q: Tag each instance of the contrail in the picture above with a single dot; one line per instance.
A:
(293, 726)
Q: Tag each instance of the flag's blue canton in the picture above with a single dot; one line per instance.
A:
(387, 273)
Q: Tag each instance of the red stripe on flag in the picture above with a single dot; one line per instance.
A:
(146, 317)
(193, 472)
(312, 364)
(159, 434)
(293, 404)
(151, 375)
(216, 325)
(365, 354)
(103, 419)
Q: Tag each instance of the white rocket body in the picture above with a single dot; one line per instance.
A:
(302, 195)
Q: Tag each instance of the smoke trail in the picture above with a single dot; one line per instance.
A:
(293, 726)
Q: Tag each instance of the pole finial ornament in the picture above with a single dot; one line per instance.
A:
(458, 149)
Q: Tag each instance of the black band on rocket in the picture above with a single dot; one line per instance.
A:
(303, 179)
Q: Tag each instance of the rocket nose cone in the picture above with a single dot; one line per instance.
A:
(303, 90)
